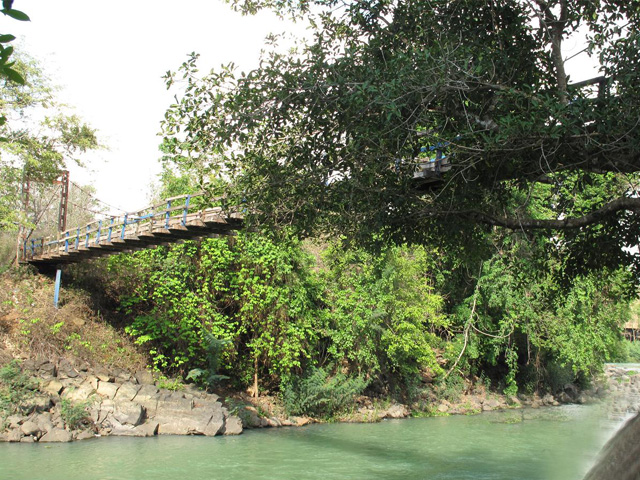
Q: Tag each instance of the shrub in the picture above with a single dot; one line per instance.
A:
(629, 352)
(209, 377)
(318, 394)
(73, 415)
(15, 388)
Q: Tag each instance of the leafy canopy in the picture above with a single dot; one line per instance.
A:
(328, 136)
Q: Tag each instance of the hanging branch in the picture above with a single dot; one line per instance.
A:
(466, 327)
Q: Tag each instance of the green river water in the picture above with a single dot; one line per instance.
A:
(558, 443)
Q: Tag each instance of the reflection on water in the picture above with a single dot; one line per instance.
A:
(547, 444)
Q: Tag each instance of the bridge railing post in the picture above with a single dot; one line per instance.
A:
(124, 226)
(66, 242)
(86, 240)
(110, 229)
(186, 210)
(78, 238)
(167, 215)
(137, 222)
(98, 233)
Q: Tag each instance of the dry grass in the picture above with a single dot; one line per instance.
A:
(31, 327)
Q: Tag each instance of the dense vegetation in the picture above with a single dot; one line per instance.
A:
(319, 323)
(515, 265)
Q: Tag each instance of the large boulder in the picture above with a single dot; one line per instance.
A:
(47, 370)
(232, 426)
(30, 428)
(107, 389)
(397, 411)
(127, 391)
(252, 419)
(128, 413)
(177, 415)
(56, 435)
(44, 422)
(66, 370)
(38, 403)
(144, 377)
(80, 394)
(52, 387)
(14, 421)
(14, 435)
(148, 429)
(84, 435)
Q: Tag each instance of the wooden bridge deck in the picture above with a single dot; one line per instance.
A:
(173, 220)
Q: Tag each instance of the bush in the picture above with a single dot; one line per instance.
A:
(451, 388)
(317, 394)
(73, 415)
(209, 377)
(15, 388)
(629, 352)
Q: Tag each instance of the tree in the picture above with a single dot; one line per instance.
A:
(329, 136)
(38, 139)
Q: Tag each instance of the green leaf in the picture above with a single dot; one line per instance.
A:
(6, 53)
(7, 38)
(14, 76)
(16, 14)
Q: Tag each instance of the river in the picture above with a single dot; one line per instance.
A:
(556, 443)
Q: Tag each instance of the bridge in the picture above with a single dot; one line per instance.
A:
(175, 219)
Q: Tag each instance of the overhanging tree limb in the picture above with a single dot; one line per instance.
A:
(594, 217)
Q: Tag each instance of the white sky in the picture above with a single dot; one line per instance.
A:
(109, 58)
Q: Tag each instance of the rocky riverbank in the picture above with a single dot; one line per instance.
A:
(72, 402)
(623, 384)
(67, 400)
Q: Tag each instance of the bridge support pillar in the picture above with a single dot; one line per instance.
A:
(56, 292)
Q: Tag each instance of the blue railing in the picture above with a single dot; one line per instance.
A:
(175, 212)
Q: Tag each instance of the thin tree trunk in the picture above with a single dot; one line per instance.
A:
(255, 377)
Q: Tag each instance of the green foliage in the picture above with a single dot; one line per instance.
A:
(209, 376)
(252, 294)
(37, 140)
(629, 353)
(7, 69)
(332, 130)
(452, 388)
(253, 305)
(74, 415)
(320, 395)
(16, 387)
(535, 328)
(383, 312)
(173, 384)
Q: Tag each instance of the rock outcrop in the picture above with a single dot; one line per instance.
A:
(74, 402)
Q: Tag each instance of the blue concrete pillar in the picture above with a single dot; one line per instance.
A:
(56, 293)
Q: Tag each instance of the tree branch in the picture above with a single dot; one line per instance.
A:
(596, 216)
